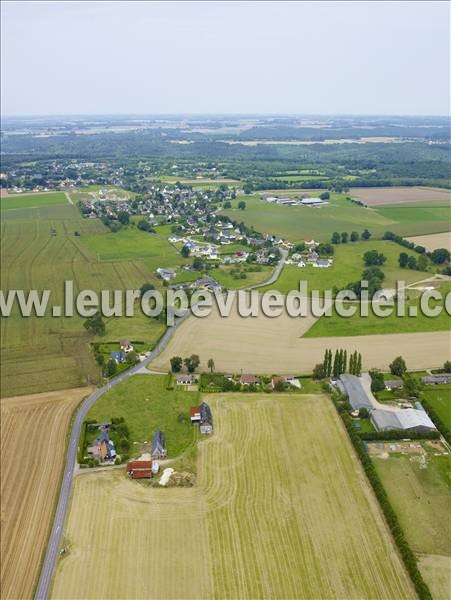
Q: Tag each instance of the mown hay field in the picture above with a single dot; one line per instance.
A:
(33, 439)
(398, 195)
(281, 509)
(276, 345)
(433, 241)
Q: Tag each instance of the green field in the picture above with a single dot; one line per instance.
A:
(439, 397)
(131, 243)
(298, 223)
(337, 325)
(421, 498)
(146, 405)
(48, 353)
(347, 267)
(32, 200)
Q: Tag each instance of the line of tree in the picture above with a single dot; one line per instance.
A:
(391, 518)
(397, 434)
(338, 365)
(344, 237)
(191, 363)
(439, 256)
(411, 262)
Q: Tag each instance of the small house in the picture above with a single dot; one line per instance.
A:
(119, 357)
(393, 384)
(126, 346)
(184, 379)
(246, 379)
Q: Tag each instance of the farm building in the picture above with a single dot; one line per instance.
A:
(438, 379)
(195, 414)
(139, 469)
(158, 445)
(357, 395)
(311, 201)
(206, 420)
(409, 419)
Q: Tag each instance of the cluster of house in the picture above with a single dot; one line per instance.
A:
(201, 415)
(103, 448)
(160, 204)
(296, 201)
(384, 417)
(201, 283)
(309, 257)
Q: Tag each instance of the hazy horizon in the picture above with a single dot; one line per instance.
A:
(225, 58)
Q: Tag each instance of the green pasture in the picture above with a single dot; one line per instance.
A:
(146, 405)
(131, 243)
(21, 201)
(298, 223)
(347, 267)
(338, 326)
(439, 397)
(421, 498)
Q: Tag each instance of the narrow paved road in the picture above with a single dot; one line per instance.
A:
(52, 552)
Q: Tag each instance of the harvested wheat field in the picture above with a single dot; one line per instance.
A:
(264, 345)
(281, 509)
(399, 195)
(433, 241)
(33, 440)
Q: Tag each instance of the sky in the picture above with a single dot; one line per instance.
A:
(225, 57)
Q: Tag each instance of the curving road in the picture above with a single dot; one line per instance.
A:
(53, 546)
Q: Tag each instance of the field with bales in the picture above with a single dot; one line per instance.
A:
(33, 439)
(305, 495)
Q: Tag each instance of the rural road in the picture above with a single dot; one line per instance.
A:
(54, 542)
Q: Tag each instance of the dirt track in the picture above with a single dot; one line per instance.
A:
(33, 439)
(265, 345)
